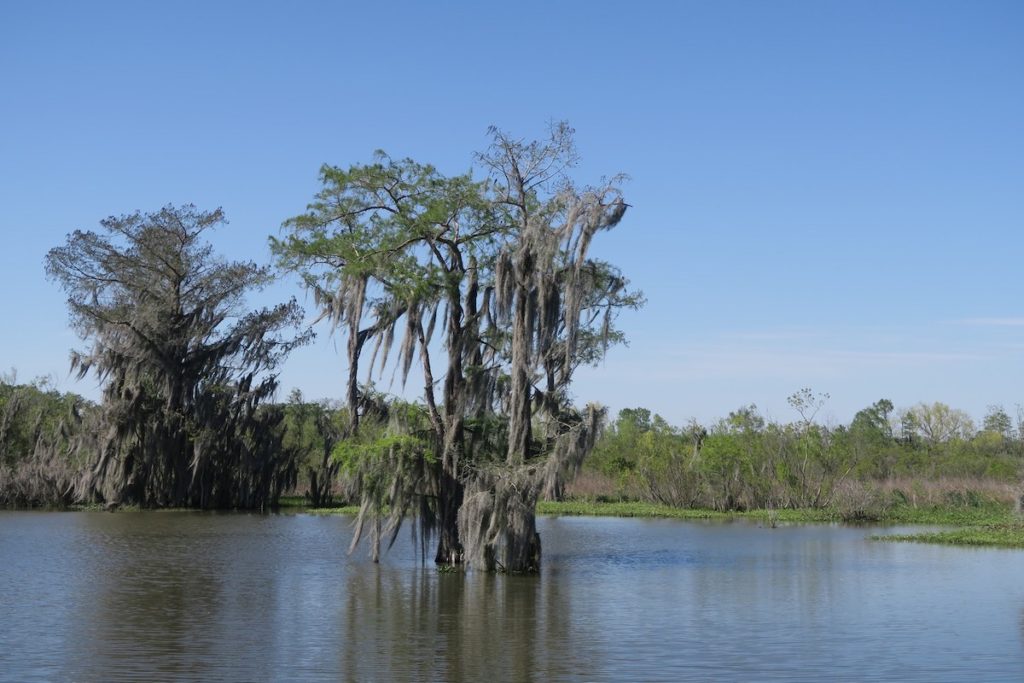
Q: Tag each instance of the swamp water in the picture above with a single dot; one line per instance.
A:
(144, 596)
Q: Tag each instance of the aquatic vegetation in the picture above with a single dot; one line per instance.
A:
(1006, 535)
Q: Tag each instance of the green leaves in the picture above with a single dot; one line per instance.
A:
(354, 454)
(394, 249)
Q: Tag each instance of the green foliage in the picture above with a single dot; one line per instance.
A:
(938, 423)
(311, 433)
(624, 509)
(358, 453)
(745, 462)
(872, 423)
(985, 525)
(390, 464)
(997, 421)
(657, 510)
(499, 267)
(38, 458)
(1009, 535)
(405, 432)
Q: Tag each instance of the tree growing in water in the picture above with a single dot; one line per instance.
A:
(501, 267)
(185, 369)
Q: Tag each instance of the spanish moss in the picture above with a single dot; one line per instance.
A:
(500, 267)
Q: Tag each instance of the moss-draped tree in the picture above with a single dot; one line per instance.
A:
(185, 368)
(40, 443)
(500, 266)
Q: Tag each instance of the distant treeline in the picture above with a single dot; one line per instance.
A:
(929, 454)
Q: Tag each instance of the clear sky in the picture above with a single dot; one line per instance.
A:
(825, 194)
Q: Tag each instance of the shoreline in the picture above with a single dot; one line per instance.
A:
(990, 525)
(993, 526)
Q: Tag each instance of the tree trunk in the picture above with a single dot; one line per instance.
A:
(449, 549)
(522, 546)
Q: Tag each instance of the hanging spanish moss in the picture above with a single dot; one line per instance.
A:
(501, 267)
(186, 371)
(44, 440)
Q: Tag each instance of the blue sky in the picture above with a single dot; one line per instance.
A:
(824, 194)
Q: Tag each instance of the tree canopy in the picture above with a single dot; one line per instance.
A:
(500, 267)
(185, 368)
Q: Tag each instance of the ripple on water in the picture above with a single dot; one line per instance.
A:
(192, 596)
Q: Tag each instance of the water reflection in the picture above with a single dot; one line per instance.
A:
(140, 577)
(421, 625)
(189, 596)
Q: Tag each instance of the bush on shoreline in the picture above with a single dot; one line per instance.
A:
(861, 470)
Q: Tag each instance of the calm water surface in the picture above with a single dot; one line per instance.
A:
(142, 596)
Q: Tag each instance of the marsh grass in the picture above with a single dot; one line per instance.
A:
(290, 504)
(285, 502)
(655, 510)
(339, 510)
(623, 509)
(982, 514)
(948, 491)
(1000, 535)
(978, 523)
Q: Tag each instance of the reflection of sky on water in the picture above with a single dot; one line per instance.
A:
(190, 596)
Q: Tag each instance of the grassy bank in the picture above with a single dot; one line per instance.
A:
(285, 504)
(958, 516)
(301, 504)
(640, 509)
(986, 525)
(990, 524)
(1006, 535)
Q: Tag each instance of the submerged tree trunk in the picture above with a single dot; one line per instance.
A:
(506, 260)
(449, 502)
